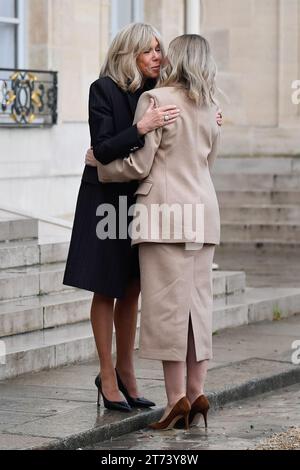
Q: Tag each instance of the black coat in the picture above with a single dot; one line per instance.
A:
(111, 113)
(105, 266)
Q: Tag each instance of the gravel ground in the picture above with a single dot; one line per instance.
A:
(289, 440)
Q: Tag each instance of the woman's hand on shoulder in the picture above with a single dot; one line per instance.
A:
(156, 117)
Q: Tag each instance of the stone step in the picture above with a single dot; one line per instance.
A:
(254, 305)
(256, 251)
(30, 281)
(45, 279)
(273, 304)
(256, 181)
(257, 165)
(56, 252)
(228, 283)
(54, 347)
(260, 232)
(28, 253)
(238, 198)
(47, 311)
(47, 349)
(261, 213)
(16, 227)
(248, 248)
(19, 253)
(42, 312)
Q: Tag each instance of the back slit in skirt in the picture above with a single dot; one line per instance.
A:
(176, 283)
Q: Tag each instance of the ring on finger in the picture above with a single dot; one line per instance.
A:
(166, 117)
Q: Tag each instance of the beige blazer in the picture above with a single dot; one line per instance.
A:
(174, 169)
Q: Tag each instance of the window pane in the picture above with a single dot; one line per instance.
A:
(7, 50)
(7, 8)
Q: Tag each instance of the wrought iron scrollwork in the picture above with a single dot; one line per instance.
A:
(28, 98)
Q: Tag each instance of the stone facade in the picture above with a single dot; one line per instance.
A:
(256, 45)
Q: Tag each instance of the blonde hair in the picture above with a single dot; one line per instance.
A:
(120, 62)
(192, 67)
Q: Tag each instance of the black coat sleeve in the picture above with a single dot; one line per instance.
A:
(108, 146)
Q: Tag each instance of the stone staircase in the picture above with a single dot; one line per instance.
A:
(259, 201)
(44, 324)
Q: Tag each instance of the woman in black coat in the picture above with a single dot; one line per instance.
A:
(109, 267)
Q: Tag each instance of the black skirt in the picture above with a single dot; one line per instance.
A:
(104, 266)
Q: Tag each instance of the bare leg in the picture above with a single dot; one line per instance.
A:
(196, 371)
(125, 318)
(174, 373)
(102, 323)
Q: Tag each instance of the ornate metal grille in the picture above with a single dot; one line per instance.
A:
(28, 98)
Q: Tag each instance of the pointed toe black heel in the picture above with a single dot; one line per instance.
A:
(133, 402)
(110, 405)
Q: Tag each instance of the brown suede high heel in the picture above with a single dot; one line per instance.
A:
(179, 411)
(199, 407)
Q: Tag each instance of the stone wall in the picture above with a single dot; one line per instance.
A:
(257, 47)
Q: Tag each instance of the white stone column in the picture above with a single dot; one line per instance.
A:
(138, 10)
(192, 15)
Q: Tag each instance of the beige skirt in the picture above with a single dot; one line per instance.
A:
(176, 284)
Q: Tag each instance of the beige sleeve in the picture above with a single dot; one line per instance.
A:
(138, 164)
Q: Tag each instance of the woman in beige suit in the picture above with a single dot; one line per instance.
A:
(177, 225)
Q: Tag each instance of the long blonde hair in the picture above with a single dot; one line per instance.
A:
(120, 62)
(191, 66)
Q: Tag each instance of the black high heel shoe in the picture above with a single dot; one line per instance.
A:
(110, 405)
(133, 402)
